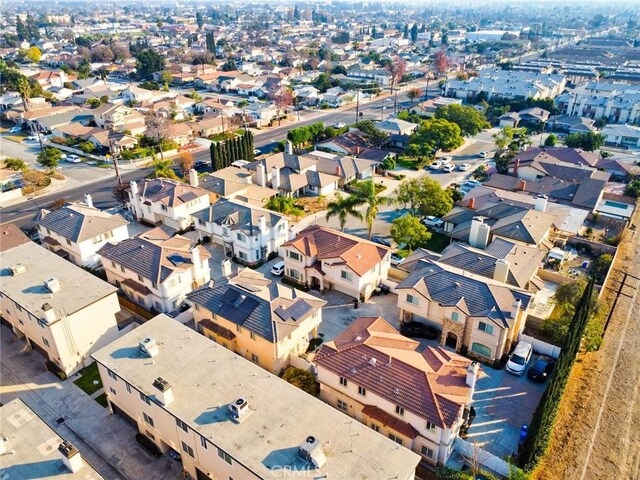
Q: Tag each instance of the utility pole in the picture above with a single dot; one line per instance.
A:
(114, 155)
(426, 90)
(357, 105)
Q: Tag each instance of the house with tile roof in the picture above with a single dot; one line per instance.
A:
(77, 231)
(154, 270)
(478, 315)
(324, 258)
(168, 202)
(260, 319)
(419, 399)
(247, 232)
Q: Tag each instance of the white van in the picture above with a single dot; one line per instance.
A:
(519, 358)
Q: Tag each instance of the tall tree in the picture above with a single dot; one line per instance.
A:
(199, 20)
(157, 128)
(396, 70)
(414, 33)
(162, 169)
(440, 62)
(296, 13)
(185, 160)
(414, 93)
(342, 208)
(24, 90)
(21, 29)
(423, 197)
(32, 27)
(365, 193)
(148, 61)
(436, 132)
(410, 231)
(470, 120)
(281, 98)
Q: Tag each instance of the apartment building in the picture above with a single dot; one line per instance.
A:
(229, 418)
(617, 103)
(323, 258)
(32, 449)
(417, 399)
(167, 202)
(479, 316)
(261, 320)
(154, 270)
(249, 233)
(57, 308)
(77, 231)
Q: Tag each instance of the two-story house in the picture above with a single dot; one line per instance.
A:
(167, 202)
(55, 307)
(417, 399)
(78, 231)
(261, 320)
(323, 258)
(119, 118)
(249, 233)
(154, 270)
(476, 315)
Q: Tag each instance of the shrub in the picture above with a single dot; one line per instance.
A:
(302, 379)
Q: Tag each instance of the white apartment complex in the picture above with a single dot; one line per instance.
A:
(613, 102)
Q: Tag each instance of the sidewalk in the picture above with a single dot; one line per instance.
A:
(54, 186)
(106, 441)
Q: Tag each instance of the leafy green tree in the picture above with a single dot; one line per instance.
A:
(199, 20)
(30, 23)
(633, 188)
(49, 157)
(21, 29)
(343, 208)
(15, 164)
(322, 82)
(423, 197)
(24, 90)
(409, 230)
(551, 140)
(600, 267)
(413, 93)
(365, 193)
(286, 205)
(439, 133)
(229, 66)
(148, 62)
(588, 141)
(470, 120)
(376, 137)
(303, 379)
(414, 33)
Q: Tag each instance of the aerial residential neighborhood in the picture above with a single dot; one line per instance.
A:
(330, 240)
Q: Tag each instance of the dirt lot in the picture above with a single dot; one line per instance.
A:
(595, 437)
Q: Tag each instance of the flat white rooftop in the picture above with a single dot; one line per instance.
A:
(205, 378)
(32, 448)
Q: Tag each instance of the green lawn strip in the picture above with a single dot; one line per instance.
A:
(102, 400)
(88, 375)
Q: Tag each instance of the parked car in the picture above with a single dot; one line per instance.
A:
(449, 167)
(339, 125)
(396, 259)
(32, 138)
(463, 167)
(257, 152)
(518, 360)
(73, 159)
(381, 241)
(417, 329)
(541, 369)
(17, 129)
(437, 165)
(431, 221)
(472, 183)
(484, 154)
(446, 160)
(278, 268)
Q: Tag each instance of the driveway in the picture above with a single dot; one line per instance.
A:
(106, 441)
(503, 403)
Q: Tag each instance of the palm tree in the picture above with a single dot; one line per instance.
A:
(365, 193)
(162, 169)
(24, 90)
(342, 207)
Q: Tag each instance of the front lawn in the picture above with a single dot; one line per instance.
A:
(88, 375)
(102, 400)
(407, 162)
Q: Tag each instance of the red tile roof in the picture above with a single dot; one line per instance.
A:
(389, 420)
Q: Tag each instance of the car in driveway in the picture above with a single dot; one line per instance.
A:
(472, 183)
(417, 329)
(541, 369)
(381, 241)
(431, 221)
(518, 360)
(396, 259)
(15, 129)
(463, 167)
(278, 269)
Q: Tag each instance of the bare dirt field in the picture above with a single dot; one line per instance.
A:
(595, 436)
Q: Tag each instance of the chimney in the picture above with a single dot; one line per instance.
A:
(88, 200)
(48, 313)
(193, 178)
(263, 225)
(472, 375)
(515, 307)
(357, 151)
(198, 275)
(337, 170)
(516, 166)
(288, 147)
(292, 232)
(275, 178)
(164, 393)
(261, 175)
(522, 185)
(541, 203)
(225, 266)
(472, 204)
(70, 456)
(479, 233)
(501, 271)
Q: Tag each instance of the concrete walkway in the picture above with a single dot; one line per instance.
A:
(106, 441)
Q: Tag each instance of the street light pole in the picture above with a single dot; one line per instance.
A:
(114, 155)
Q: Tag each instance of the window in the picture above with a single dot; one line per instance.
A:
(258, 254)
(431, 426)
(342, 406)
(112, 390)
(346, 275)
(225, 231)
(481, 349)
(362, 391)
(225, 456)
(412, 300)
(128, 387)
(398, 440)
(68, 242)
(42, 323)
(294, 256)
(294, 274)
(96, 239)
(145, 399)
(200, 221)
(187, 449)
(241, 237)
(112, 375)
(122, 269)
(427, 452)
(163, 207)
(486, 328)
(399, 410)
(252, 335)
(45, 341)
(148, 419)
(113, 264)
(203, 442)
(108, 235)
(375, 427)
(182, 425)
(454, 316)
(243, 256)
(343, 381)
(140, 279)
(254, 358)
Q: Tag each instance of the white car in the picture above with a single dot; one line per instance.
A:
(437, 165)
(484, 154)
(446, 160)
(278, 269)
(15, 129)
(463, 167)
(431, 221)
(519, 359)
(449, 167)
(73, 159)
(339, 125)
(472, 183)
(396, 259)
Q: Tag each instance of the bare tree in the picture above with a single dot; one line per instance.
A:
(281, 98)
(157, 127)
(440, 62)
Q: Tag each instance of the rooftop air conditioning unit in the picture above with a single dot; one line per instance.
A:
(52, 284)
(239, 409)
(149, 347)
(311, 451)
(17, 269)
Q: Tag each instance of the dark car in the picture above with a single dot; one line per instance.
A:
(541, 369)
(381, 241)
(417, 329)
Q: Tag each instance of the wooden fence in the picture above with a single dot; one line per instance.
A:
(134, 307)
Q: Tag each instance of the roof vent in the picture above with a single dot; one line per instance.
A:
(165, 392)
(239, 409)
(353, 370)
(396, 391)
(373, 362)
(311, 451)
(457, 284)
(17, 269)
(52, 284)
(149, 347)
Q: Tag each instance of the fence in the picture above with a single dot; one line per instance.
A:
(134, 307)
(487, 460)
(553, 277)
(594, 247)
(299, 362)
(541, 347)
